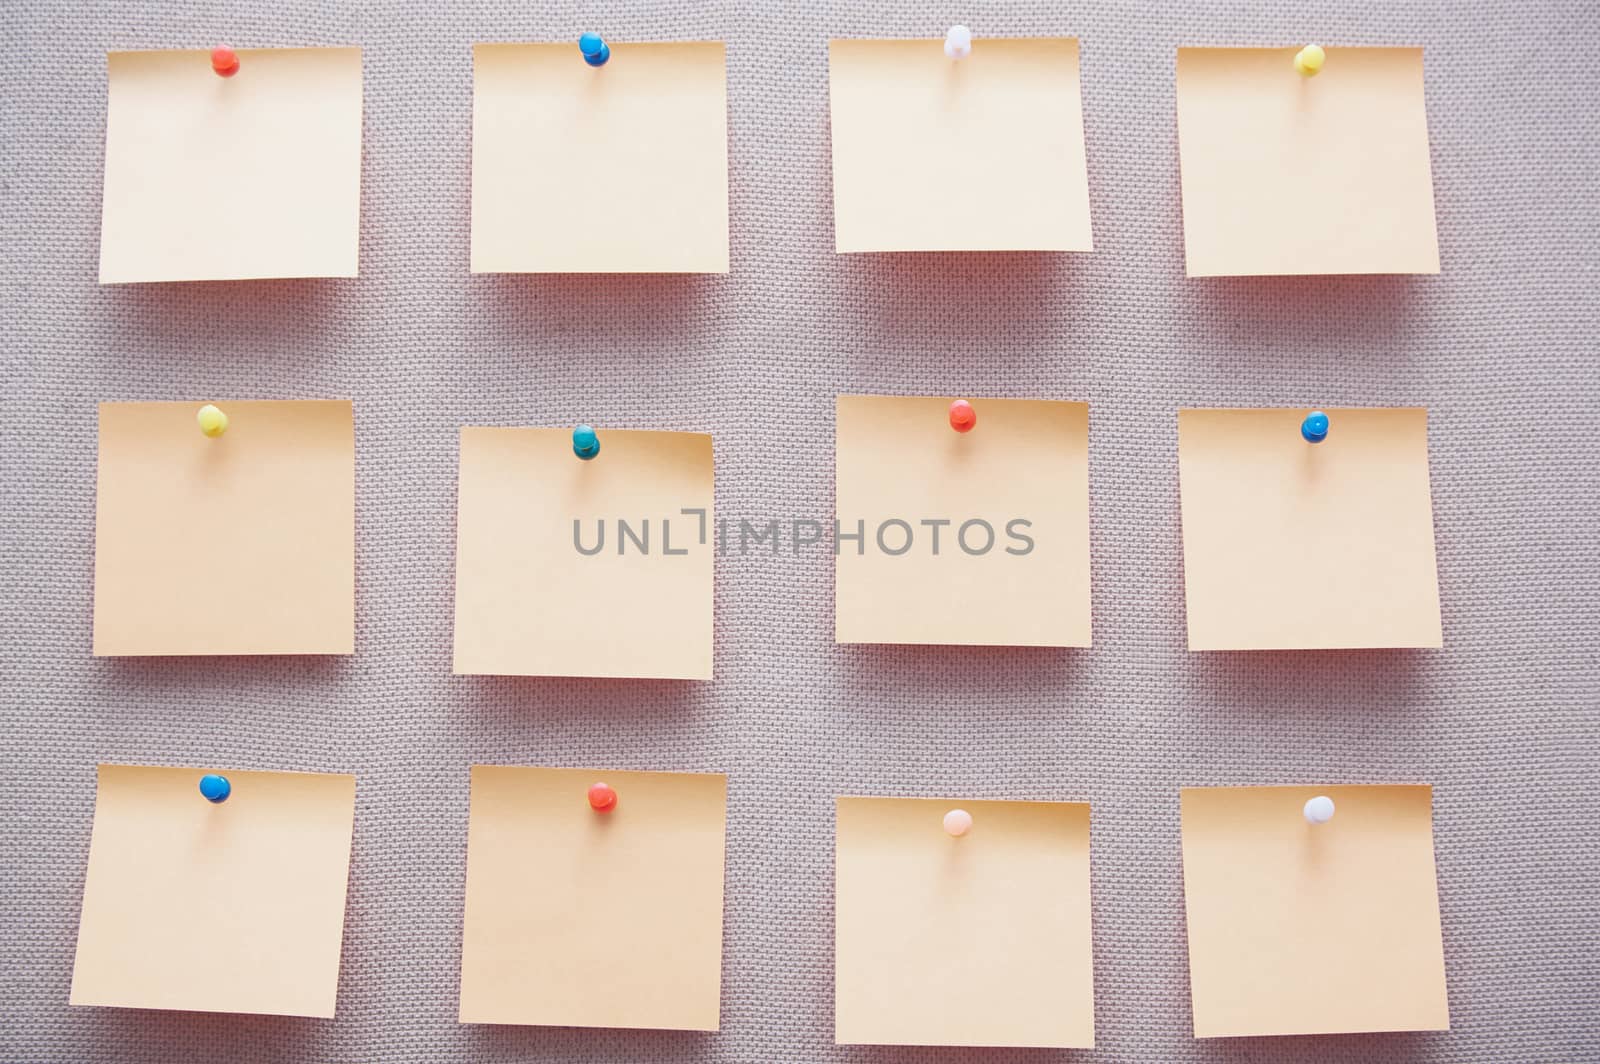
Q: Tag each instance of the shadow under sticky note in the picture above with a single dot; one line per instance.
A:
(235, 907)
(241, 544)
(978, 538)
(1286, 174)
(1289, 545)
(1297, 928)
(981, 154)
(614, 169)
(982, 940)
(583, 919)
(210, 178)
(567, 567)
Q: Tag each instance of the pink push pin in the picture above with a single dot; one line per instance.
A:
(225, 61)
(602, 799)
(957, 822)
(962, 416)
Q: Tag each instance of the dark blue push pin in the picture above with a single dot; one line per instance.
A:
(595, 51)
(214, 788)
(1315, 427)
(585, 444)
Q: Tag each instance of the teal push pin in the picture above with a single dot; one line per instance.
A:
(215, 789)
(585, 444)
(1315, 427)
(595, 51)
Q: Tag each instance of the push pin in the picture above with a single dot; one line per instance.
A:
(958, 42)
(595, 51)
(225, 61)
(1315, 427)
(1319, 810)
(957, 822)
(1308, 60)
(215, 789)
(962, 416)
(585, 444)
(602, 799)
(213, 422)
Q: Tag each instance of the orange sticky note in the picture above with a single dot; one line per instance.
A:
(981, 154)
(1292, 545)
(947, 537)
(982, 940)
(213, 179)
(577, 918)
(239, 544)
(615, 169)
(1287, 174)
(234, 907)
(1300, 928)
(567, 567)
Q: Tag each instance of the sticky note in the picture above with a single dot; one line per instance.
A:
(1289, 545)
(981, 154)
(241, 544)
(615, 169)
(946, 537)
(211, 179)
(567, 567)
(1287, 174)
(234, 907)
(1299, 928)
(582, 919)
(982, 940)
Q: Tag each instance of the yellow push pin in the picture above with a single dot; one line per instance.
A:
(213, 422)
(1308, 60)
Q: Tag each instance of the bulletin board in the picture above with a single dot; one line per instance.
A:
(1504, 721)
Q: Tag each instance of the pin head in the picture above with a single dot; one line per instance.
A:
(585, 443)
(212, 421)
(958, 42)
(602, 799)
(1308, 60)
(225, 61)
(962, 416)
(957, 822)
(595, 51)
(1319, 810)
(1315, 427)
(214, 788)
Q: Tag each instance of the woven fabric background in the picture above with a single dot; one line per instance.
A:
(1505, 721)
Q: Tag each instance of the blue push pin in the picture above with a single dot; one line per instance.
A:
(214, 788)
(1315, 427)
(585, 444)
(595, 51)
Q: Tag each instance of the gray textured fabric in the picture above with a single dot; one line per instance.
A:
(1500, 347)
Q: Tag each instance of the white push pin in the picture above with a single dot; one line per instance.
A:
(958, 42)
(957, 822)
(1319, 810)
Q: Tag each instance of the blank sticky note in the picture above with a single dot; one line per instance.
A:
(1285, 174)
(1291, 545)
(239, 544)
(615, 169)
(981, 940)
(981, 154)
(976, 538)
(233, 907)
(1299, 928)
(210, 178)
(567, 567)
(582, 919)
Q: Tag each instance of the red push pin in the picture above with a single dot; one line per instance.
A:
(225, 61)
(602, 799)
(962, 416)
